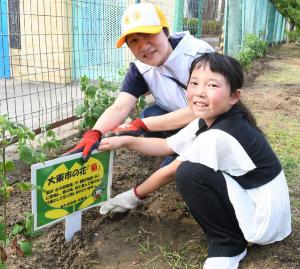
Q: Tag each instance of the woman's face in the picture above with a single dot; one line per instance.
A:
(151, 49)
(209, 94)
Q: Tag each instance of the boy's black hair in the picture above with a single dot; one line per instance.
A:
(231, 69)
(227, 66)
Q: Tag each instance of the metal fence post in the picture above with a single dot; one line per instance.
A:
(178, 20)
(199, 24)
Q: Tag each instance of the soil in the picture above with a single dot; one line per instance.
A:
(161, 233)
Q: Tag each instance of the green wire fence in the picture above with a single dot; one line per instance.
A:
(46, 46)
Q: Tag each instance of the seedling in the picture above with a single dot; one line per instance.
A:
(19, 238)
(97, 98)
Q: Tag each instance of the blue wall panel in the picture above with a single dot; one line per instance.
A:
(4, 50)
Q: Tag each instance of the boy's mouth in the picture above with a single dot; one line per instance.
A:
(200, 104)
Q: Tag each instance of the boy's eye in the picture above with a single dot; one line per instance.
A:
(193, 83)
(213, 85)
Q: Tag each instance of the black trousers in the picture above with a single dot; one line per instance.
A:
(156, 110)
(205, 193)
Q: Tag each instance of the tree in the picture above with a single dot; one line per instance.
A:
(289, 9)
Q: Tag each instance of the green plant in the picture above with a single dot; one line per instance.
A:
(97, 98)
(253, 47)
(246, 57)
(12, 132)
(48, 140)
(256, 44)
(294, 35)
(191, 25)
(289, 9)
(211, 27)
(139, 105)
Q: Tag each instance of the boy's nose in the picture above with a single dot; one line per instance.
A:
(200, 91)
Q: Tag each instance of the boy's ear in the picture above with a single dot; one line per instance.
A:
(235, 97)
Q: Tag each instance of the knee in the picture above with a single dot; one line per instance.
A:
(192, 177)
(151, 111)
(185, 180)
(180, 176)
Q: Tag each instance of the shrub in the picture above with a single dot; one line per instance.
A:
(191, 25)
(209, 27)
(253, 48)
(258, 45)
(294, 35)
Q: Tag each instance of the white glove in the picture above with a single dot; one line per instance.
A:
(120, 203)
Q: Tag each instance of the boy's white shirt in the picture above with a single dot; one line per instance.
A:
(223, 152)
(263, 213)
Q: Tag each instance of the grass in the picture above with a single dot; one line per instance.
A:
(283, 135)
(186, 256)
(285, 74)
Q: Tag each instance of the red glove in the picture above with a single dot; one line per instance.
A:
(88, 143)
(133, 128)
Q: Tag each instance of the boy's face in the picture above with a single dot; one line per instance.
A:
(151, 49)
(209, 94)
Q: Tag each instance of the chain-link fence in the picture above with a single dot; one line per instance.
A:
(251, 16)
(46, 46)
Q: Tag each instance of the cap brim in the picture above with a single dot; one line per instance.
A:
(141, 29)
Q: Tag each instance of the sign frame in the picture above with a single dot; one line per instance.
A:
(62, 160)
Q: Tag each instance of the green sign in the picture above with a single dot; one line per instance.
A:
(68, 185)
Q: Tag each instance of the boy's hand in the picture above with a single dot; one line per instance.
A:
(88, 143)
(133, 128)
(121, 202)
(111, 143)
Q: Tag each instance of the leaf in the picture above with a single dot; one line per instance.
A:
(53, 144)
(91, 91)
(10, 166)
(80, 109)
(7, 192)
(29, 222)
(26, 247)
(30, 155)
(50, 133)
(84, 81)
(17, 229)
(2, 232)
(2, 191)
(24, 186)
(25, 153)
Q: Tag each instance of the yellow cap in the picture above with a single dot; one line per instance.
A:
(141, 18)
